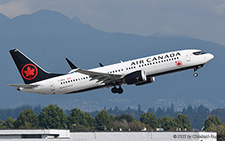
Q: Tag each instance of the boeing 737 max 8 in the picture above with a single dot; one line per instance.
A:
(139, 72)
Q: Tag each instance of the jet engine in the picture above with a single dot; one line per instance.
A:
(149, 80)
(135, 77)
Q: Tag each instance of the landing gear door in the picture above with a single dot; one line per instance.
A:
(188, 57)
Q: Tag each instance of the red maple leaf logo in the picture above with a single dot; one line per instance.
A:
(179, 63)
(29, 71)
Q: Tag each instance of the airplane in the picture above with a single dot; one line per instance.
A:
(138, 72)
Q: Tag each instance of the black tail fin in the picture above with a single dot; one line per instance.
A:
(29, 70)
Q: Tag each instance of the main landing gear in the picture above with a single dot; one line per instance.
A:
(117, 90)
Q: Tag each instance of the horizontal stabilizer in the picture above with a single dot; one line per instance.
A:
(23, 85)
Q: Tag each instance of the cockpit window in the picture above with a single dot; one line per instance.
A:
(199, 53)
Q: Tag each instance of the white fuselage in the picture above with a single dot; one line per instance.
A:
(152, 66)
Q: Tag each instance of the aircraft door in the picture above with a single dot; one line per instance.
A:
(52, 87)
(188, 57)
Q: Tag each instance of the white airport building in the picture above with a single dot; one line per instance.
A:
(66, 135)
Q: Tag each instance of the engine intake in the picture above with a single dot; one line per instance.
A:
(135, 77)
(149, 80)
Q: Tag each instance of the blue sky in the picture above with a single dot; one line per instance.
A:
(202, 19)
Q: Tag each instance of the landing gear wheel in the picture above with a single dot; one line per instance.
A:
(117, 90)
(195, 69)
(120, 90)
(195, 74)
(114, 90)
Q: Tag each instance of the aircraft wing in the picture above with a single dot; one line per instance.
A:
(23, 85)
(101, 77)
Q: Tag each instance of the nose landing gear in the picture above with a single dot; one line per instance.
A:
(117, 90)
(195, 69)
(195, 73)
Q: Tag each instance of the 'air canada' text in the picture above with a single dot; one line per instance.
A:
(156, 58)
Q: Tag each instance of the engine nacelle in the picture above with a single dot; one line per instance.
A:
(135, 77)
(149, 80)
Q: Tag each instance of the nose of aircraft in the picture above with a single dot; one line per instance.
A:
(209, 57)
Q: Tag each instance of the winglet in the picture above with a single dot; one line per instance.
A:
(100, 64)
(71, 64)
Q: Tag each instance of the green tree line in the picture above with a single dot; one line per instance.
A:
(53, 117)
(197, 114)
(214, 124)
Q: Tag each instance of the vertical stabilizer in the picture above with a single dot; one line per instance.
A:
(29, 70)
